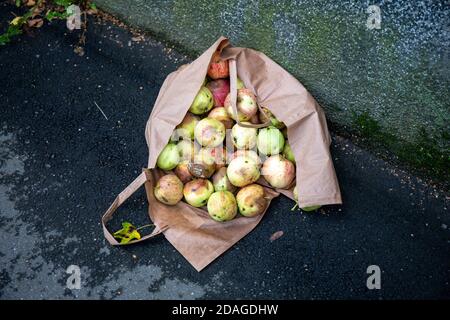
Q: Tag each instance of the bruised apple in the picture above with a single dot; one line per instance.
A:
(218, 68)
(249, 153)
(251, 200)
(185, 130)
(219, 113)
(221, 182)
(267, 115)
(219, 89)
(270, 141)
(287, 152)
(278, 171)
(239, 84)
(169, 189)
(169, 157)
(222, 206)
(209, 132)
(307, 209)
(203, 101)
(245, 104)
(182, 171)
(201, 169)
(243, 171)
(186, 149)
(243, 137)
(197, 192)
(216, 155)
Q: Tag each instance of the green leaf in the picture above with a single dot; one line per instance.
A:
(127, 233)
(10, 32)
(93, 6)
(16, 21)
(4, 39)
(64, 3)
(18, 3)
(55, 15)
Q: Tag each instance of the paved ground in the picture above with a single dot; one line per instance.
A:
(62, 163)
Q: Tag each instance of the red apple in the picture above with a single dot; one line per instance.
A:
(219, 89)
(218, 68)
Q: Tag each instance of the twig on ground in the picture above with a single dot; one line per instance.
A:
(100, 110)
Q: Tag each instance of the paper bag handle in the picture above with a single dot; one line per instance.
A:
(233, 98)
(120, 199)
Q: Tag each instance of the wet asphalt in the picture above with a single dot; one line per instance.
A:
(62, 162)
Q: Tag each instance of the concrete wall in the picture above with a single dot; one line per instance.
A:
(390, 84)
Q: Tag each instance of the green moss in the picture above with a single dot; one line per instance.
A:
(262, 30)
(424, 154)
(397, 76)
(366, 124)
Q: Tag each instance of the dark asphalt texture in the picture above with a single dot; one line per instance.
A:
(62, 163)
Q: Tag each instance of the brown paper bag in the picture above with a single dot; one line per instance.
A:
(190, 230)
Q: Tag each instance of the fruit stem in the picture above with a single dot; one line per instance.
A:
(145, 226)
(294, 207)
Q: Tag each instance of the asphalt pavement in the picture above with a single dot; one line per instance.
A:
(72, 137)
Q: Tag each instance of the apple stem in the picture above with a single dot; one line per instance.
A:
(145, 226)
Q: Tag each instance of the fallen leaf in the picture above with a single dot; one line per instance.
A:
(36, 23)
(137, 38)
(37, 11)
(276, 235)
(15, 21)
(127, 233)
(31, 3)
(79, 51)
(92, 8)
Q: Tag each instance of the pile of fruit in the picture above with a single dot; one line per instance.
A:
(212, 161)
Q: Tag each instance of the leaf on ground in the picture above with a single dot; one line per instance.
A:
(31, 3)
(50, 15)
(37, 11)
(79, 50)
(10, 32)
(92, 8)
(276, 236)
(137, 38)
(127, 233)
(36, 23)
(16, 21)
(63, 3)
